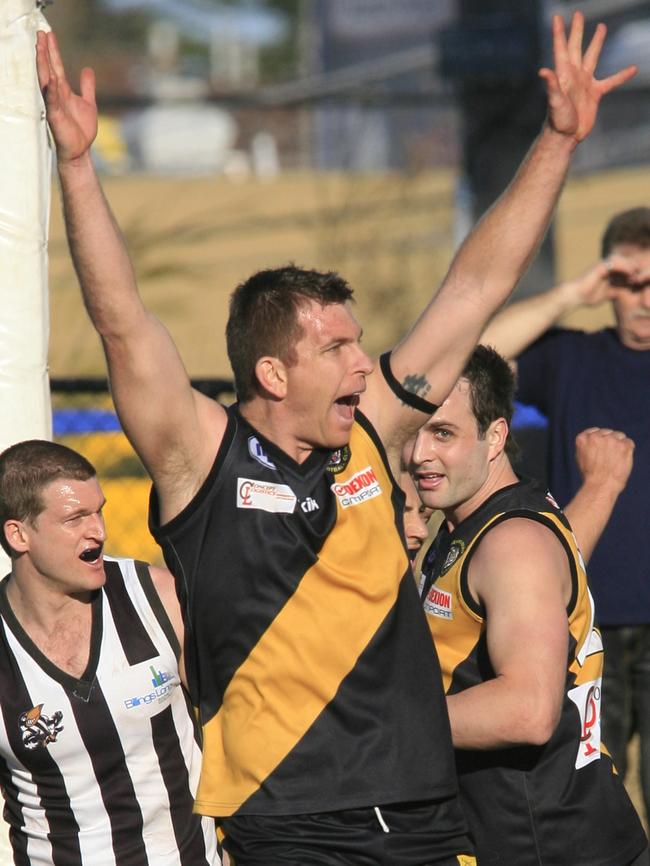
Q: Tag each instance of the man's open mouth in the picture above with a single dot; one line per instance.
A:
(349, 400)
(91, 554)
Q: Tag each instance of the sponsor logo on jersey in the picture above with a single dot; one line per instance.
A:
(309, 504)
(363, 485)
(586, 697)
(38, 730)
(258, 453)
(457, 547)
(438, 603)
(260, 495)
(339, 460)
(162, 682)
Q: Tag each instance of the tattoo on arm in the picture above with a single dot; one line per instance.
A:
(416, 384)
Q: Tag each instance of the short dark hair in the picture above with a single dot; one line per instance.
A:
(263, 317)
(492, 386)
(629, 227)
(28, 467)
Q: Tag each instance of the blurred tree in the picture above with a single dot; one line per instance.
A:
(280, 62)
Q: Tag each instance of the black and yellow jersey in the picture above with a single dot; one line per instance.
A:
(303, 622)
(561, 803)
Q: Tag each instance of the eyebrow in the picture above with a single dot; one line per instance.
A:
(80, 512)
(435, 425)
(343, 340)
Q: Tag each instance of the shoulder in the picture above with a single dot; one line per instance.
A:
(136, 573)
(517, 553)
(163, 581)
(511, 538)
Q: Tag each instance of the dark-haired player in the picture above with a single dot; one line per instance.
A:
(505, 593)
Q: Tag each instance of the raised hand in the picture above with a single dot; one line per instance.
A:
(604, 457)
(573, 90)
(72, 117)
(593, 287)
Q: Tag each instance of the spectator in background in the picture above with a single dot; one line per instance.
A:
(601, 379)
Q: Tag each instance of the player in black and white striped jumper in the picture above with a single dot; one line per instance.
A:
(99, 760)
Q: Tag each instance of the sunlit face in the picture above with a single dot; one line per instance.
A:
(416, 517)
(325, 383)
(632, 297)
(64, 543)
(450, 461)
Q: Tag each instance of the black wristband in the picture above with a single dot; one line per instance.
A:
(400, 392)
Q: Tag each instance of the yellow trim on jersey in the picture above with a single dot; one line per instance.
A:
(282, 687)
(455, 644)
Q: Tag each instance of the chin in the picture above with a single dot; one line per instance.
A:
(431, 500)
(338, 437)
(93, 579)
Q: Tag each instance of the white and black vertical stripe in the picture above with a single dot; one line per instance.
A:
(114, 785)
(136, 643)
(170, 756)
(117, 792)
(46, 778)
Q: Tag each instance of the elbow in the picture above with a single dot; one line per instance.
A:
(539, 726)
(540, 733)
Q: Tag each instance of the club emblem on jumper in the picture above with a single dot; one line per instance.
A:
(551, 499)
(37, 729)
(457, 547)
(339, 460)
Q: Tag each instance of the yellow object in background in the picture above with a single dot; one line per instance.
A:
(110, 147)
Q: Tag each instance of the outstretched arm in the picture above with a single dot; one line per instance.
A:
(175, 430)
(512, 330)
(496, 254)
(604, 458)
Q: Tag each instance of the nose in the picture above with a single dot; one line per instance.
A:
(364, 363)
(97, 527)
(419, 527)
(645, 297)
(423, 448)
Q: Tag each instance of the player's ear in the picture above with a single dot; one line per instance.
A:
(271, 374)
(16, 535)
(497, 434)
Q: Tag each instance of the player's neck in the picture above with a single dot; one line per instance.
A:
(269, 419)
(40, 608)
(60, 626)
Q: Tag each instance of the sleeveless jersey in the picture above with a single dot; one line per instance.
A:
(557, 804)
(102, 770)
(309, 659)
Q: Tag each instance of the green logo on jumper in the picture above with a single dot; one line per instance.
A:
(159, 677)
